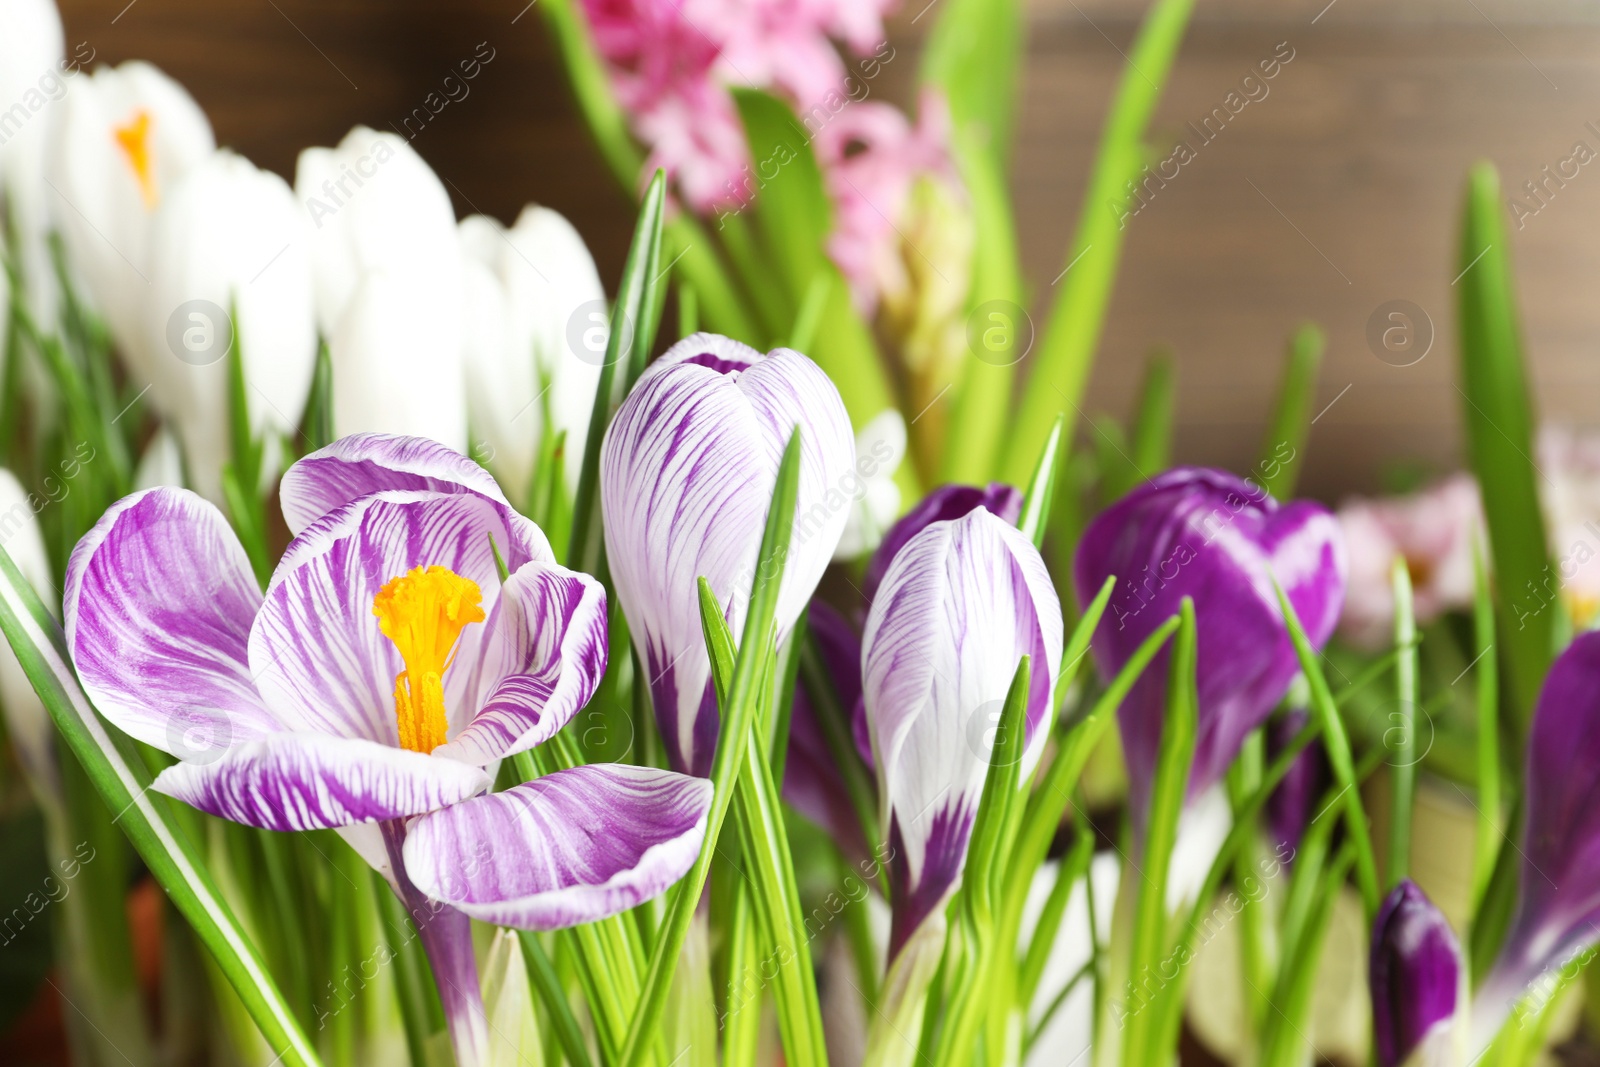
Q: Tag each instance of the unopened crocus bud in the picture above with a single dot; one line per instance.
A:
(687, 472)
(944, 503)
(963, 601)
(1417, 982)
(127, 135)
(1224, 542)
(1292, 805)
(229, 265)
(33, 79)
(536, 328)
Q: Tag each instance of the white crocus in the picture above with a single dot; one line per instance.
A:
(229, 239)
(373, 204)
(32, 734)
(880, 448)
(160, 464)
(127, 135)
(33, 79)
(396, 364)
(535, 320)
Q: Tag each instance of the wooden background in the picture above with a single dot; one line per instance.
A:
(1336, 193)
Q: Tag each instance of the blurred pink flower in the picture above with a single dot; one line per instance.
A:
(871, 155)
(1569, 464)
(1433, 531)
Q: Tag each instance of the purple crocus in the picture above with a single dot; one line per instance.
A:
(1557, 920)
(1208, 535)
(385, 668)
(1416, 977)
(959, 607)
(686, 476)
(1292, 805)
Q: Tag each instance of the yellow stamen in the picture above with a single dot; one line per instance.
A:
(133, 138)
(423, 612)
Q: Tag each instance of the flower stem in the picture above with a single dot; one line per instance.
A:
(447, 939)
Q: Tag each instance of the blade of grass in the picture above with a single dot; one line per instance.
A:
(1150, 440)
(737, 719)
(1487, 841)
(1403, 765)
(1072, 332)
(1280, 463)
(124, 783)
(1036, 502)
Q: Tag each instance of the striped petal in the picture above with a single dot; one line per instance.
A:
(305, 781)
(316, 651)
(961, 604)
(365, 463)
(687, 473)
(945, 502)
(159, 601)
(568, 848)
(544, 659)
(1223, 541)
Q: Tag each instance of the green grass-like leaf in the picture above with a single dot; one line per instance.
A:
(1283, 449)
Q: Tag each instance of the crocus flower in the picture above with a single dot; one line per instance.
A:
(229, 241)
(127, 134)
(1292, 805)
(811, 781)
(1558, 910)
(1570, 492)
(687, 471)
(880, 449)
(33, 73)
(383, 671)
(536, 320)
(1433, 532)
(1208, 535)
(1417, 981)
(944, 503)
(963, 601)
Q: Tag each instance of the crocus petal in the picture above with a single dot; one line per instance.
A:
(1414, 973)
(1214, 537)
(961, 604)
(687, 472)
(1558, 910)
(365, 463)
(316, 650)
(568, 848)
(159, 601)
(306, 781)
(944, 503)
(1292, 805)
(546, 656)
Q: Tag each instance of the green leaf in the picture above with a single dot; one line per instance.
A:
(1150, 441)
(1499, 428)
(124, 783)
(630, 323)
(1041, 489)
(1167, 791)
(739, 715)
(547, 986)
(1281, 452)
(1286, 1043)
(1403, 765)
(1337, 743)
(1072, 332)
(1488, 839)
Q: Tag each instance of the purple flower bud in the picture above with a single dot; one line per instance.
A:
(1558, 911)
(945, 502)
(1291, 806)
(1208, 535)
(812, 783)
(1414, 972)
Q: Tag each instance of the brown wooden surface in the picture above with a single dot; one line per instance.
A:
(1337, 192)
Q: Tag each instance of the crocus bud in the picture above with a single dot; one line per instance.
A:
(536, 321)
(229, 240)
(372, 204)
(812, 782)
(128, 134)
(397, 363)
(880, 449)
(687, 471)
(1292, 805)
(29, 726)
(944, 503)
(33, 74)
(1557, 921)
(960, 606)
(1417, 981)
(1208, 535)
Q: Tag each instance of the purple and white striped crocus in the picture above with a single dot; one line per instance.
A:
(1417, 982)
(1557, 921)
(1208, 535)
(368, 690)
(687, 472)
(962, 602)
